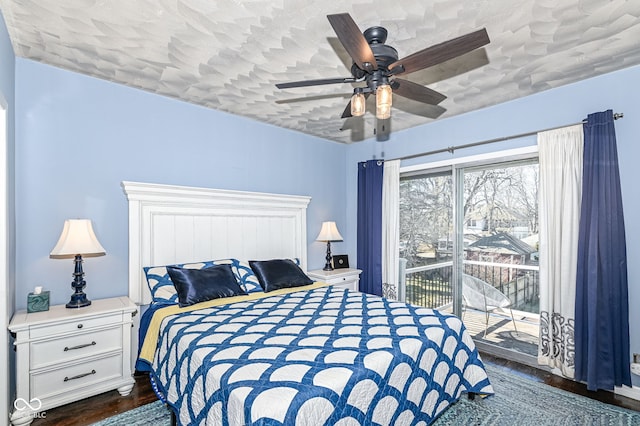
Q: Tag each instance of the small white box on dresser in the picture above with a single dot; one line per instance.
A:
(64, 355)
(348, 278)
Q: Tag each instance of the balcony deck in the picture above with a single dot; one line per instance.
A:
(430, 286)
(500, 331)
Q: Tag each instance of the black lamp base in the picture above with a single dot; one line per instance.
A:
(78, 299)
(327, 265)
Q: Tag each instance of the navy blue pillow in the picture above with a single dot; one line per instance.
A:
(278, 273)
(199, 285)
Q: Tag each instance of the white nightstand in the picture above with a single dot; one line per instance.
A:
(346, 278)
(64, 355)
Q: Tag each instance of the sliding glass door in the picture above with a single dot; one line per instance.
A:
(468, 236)
(426, 238)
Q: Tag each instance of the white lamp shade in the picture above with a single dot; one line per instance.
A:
(329, 232)
(77, 238)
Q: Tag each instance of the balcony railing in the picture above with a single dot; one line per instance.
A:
(430, 285)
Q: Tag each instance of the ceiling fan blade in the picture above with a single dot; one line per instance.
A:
(347, 111)
(353, 41)
(439, 53)
(319, 82)
(417, 92)
(418, 108)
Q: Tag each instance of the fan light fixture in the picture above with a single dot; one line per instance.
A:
(357, 103)
(383, 102)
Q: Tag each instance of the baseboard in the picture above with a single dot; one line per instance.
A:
(630, 392)
(509, 354)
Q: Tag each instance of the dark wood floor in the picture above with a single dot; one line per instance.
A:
(99, 407)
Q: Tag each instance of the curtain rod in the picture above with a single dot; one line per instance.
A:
(451, 149)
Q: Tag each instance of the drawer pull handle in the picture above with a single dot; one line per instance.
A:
(67, 348)
(79, 325)
(79, 376)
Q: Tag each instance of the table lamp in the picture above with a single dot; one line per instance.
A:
(329, 232)
(77, 240)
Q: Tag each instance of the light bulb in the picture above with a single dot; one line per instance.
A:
(357, 104)
(383, 101)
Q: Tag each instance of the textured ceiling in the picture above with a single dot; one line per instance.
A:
(228, 54)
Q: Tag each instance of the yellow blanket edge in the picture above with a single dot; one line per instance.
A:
(150, 343)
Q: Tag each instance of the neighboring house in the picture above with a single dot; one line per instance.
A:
(500, 247)
(503, 248)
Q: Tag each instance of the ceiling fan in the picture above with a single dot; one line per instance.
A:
(377, 65)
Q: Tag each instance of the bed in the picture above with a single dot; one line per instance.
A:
(303, 353)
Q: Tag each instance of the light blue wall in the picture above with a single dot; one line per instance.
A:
(618, 91)
(80, 137)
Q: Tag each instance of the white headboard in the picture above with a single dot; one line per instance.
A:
(177, 224)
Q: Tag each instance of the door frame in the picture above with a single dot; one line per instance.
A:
(5, 303)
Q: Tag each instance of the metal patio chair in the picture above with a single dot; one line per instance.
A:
(482, 296)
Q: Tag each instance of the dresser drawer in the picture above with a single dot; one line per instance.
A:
(66, 379)
(346, 278)
(349, 284)
(56, 351)
(66, 327)
(340, 280)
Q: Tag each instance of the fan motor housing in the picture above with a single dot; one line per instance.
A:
(385, 55)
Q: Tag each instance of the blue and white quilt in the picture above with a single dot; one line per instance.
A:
(323, 356)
